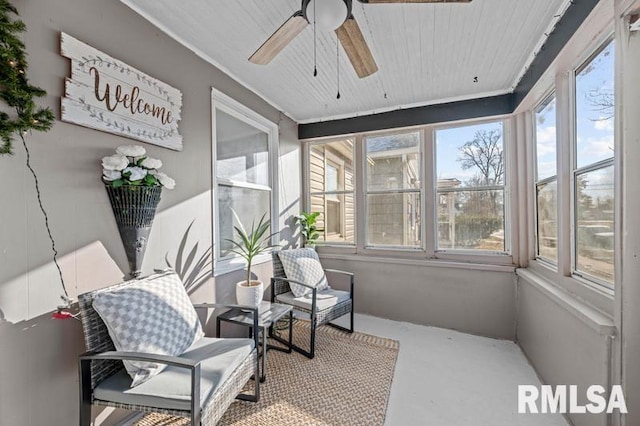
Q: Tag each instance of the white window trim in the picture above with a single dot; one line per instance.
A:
(596, 30)
(508, 138)
(373, 248)
(536, 181)
(228, 105)
(428, 194)
(306, 186)
(574, 170)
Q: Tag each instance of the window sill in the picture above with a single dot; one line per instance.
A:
(476, 261)
(226, 266)
(461, 263)
(489, 258)
(598, 296)
(599, 321)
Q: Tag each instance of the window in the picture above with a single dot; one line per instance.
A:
(377, 192)
(546, 185)
(470, 188)
(331, 183)
(393, 190)
(592, 169)
(243, 152)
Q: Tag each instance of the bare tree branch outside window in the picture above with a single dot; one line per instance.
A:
(484, 153)
(602, 101)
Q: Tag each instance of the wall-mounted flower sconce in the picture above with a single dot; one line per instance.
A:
(134, 185)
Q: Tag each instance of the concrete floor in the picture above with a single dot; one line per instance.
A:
(447, 378)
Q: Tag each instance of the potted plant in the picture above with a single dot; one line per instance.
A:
(308, 227)
(134, 184)
(253, 243)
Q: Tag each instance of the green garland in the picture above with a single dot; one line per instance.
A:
(15, 89)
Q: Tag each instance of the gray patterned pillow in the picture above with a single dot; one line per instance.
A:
(303, 265)
(151, 315)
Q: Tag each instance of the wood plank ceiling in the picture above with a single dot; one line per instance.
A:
(426, 53)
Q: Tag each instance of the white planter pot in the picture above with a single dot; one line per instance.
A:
(250, 295)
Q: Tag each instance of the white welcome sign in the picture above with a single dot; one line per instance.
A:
(105, 94)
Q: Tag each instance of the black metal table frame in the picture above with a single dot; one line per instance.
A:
(265, 346)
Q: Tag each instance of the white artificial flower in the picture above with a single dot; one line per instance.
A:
(111, 175)
(115, 162)
(137, 173)
(165, 180)
(151, 163)
(131, 150)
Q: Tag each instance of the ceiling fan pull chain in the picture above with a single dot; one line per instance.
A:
(315, 62)
(338, 65)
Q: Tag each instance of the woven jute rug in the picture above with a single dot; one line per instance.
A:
(347, 383)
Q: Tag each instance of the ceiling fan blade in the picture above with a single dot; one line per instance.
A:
(414, 1)
(279, 39)
(354, 44)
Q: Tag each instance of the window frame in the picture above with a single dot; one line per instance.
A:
(331, 162)
(506, 189)
(366, 192)
(575, 171)
(428, 194)
(228, 105)
(537, 182)
(307, 194)
(560, 79)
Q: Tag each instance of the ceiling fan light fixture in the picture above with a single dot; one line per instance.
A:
(329, 14)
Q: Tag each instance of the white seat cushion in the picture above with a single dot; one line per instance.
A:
(303, 265)
(150, 315)
(325, 299)
(171, 388)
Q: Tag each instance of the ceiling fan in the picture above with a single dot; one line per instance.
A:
(330, 15)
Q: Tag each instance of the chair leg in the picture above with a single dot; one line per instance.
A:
(85, 414)
(351, 328)
(312, 341)
(341, 328)
(256, 383)
(85, 393)
(313, 338)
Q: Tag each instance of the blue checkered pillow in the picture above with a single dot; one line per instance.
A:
(303, 265)
(150, 315)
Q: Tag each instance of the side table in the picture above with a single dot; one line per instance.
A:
(268, 314)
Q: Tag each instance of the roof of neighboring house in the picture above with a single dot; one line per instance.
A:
(392, 142)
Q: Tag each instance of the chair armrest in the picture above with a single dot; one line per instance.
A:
(141, 356)
(193, 365)
(349, 274)
(338, 271)
(292, 281)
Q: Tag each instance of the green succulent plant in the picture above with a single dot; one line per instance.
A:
(308, 227)
(252, 243)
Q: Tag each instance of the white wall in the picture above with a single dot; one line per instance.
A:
(38, 356)
(458, 297)
(567, 341)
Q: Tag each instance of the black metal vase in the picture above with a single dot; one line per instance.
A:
(134, 208)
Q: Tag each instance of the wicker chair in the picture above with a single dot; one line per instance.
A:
(102, 365)
(319, 311)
